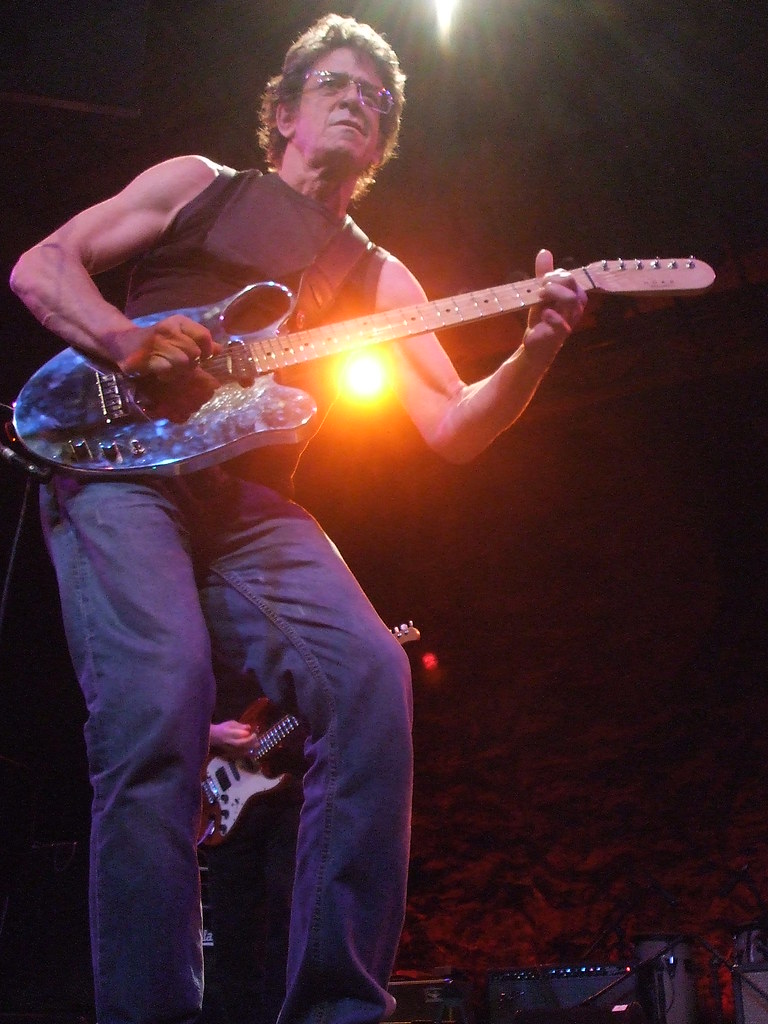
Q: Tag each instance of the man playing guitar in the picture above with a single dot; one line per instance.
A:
(160, 575)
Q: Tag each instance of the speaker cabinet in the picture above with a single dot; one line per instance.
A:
(623, 1013)
(750, 995)
(560, 987)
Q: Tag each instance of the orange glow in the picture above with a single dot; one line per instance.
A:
(365, 377)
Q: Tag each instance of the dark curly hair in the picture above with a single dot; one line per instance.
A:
(331, 33)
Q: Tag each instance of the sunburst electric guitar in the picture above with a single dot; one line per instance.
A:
(89, 419)
(229, 786)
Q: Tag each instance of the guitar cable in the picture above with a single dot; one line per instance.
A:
(14, 459)
(33, 472)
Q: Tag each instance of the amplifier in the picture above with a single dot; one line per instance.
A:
(559, 987)
(750, 995)
(622, 1013)
(431, 999)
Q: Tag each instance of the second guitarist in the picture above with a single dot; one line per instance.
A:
(250, 855)
(250, 880)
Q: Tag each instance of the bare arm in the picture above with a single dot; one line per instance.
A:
(54, 278)
(460, 420)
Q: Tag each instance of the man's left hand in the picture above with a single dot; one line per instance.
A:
(562, 305)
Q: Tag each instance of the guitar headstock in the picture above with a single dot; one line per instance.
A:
(405, 632)
(645, 277)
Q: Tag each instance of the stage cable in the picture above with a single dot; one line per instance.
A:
(12, 556)
(32, 472)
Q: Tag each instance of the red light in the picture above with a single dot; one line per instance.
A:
(429, 661)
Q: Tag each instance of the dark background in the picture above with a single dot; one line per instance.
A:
(591, 750)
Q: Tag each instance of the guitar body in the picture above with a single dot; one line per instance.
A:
(229, 786)
(92, 420)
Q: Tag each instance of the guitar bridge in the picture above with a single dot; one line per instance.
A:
(114, 405)
(210, 791)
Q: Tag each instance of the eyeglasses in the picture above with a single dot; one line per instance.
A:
(334, 83)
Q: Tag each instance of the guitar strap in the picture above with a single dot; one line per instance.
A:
(324, 278)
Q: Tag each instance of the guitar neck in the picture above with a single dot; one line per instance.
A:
(393, 325)
(275, 735)
(635, 277)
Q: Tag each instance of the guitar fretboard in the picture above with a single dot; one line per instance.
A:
(276, 353)
(621, 277)
(275, 735)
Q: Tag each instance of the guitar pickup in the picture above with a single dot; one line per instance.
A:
(240, 364)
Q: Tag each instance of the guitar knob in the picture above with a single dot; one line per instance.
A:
(223, 799)
(79, 451)
(111, 452)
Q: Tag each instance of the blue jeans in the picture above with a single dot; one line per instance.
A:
(164, 585)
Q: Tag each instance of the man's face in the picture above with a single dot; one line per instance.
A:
(330, 126)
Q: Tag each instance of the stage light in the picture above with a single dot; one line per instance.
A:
(430, 662)
(432, 675)
(364, 377)
(444, 10)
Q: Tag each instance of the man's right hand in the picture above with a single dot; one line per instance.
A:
(167, 360)
(231, 739)
(170, 349)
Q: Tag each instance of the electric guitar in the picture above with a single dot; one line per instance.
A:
(229, 786)
(86, 417)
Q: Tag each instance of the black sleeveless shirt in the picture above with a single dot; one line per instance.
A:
(247, 227)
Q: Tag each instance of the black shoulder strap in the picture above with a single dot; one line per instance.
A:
(324, 278)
